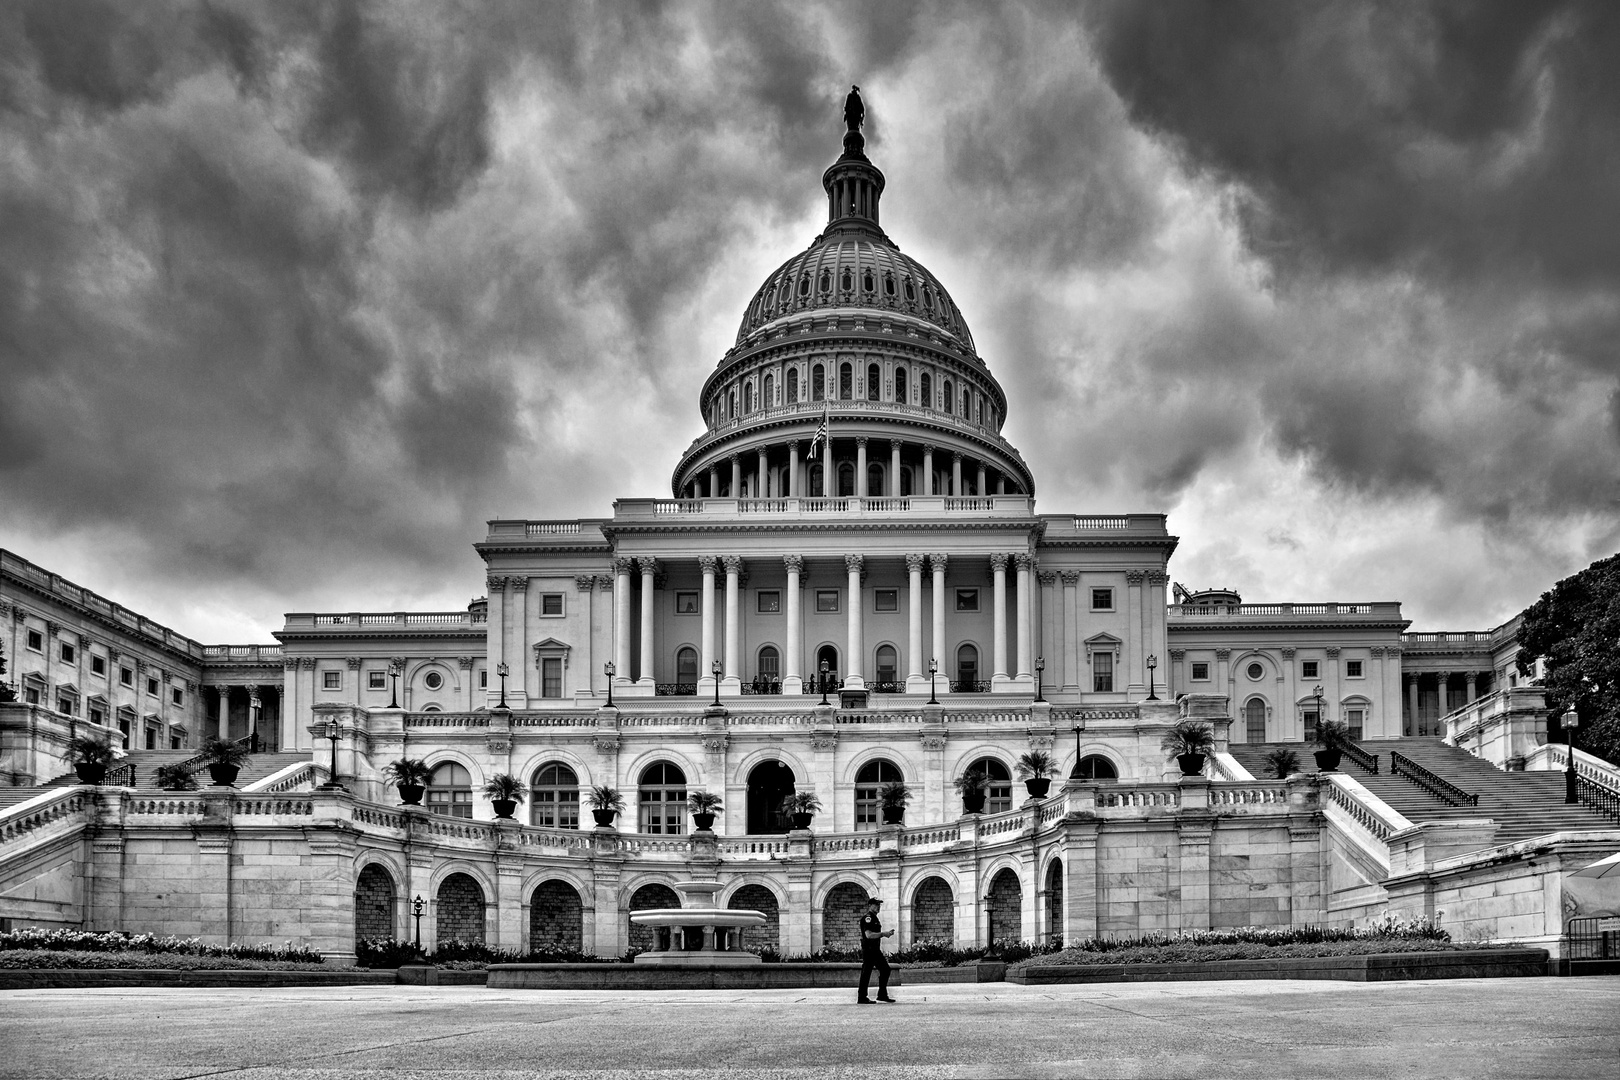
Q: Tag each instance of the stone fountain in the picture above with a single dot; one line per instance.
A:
(698, 933)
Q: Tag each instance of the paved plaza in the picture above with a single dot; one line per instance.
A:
(1465, 1028)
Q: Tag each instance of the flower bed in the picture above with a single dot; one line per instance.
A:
(37, 959)
(30, 948)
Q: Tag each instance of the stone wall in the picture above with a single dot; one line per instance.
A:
(759, 898)
(841, 916)
(1005, 905)
(647, 898)
(374, 903)
(556, 917)
(933, 912)
(459, 914)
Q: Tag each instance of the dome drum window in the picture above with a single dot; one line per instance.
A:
(846, 281)
(826, 281)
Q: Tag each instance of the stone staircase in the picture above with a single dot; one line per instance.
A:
(1523, 804)
(147, 762)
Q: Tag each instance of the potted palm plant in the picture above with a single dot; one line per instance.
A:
(971, 786)
(1330, 736)
(90, 758)
(409, 776)
(802, 806)
(703, 805)
(1035, 769)
(605, 803)
(1189, 742)
(1282, 762)
(504, 792)
(224, 759)
(176, 777)
(893, 798)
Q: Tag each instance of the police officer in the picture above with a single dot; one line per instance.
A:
(872, 935)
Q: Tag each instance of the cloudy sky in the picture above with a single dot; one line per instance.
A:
(294, 297)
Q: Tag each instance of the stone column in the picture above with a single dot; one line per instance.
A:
(861, 486)
(255, 709)
(1442, 679)
(829, 475)
(496, 634)
(853, 663)
(1026, 658)
(711, 566)
(736, 476)
(936, 563)
(621, 620)
(649, 569)
(914, 638)
(793, 669)
(1049, 642)
(1468, 685)
(981, 489)
(526, 673)
(1132, 676)
(891, 485)
(928, 470)
(224, 692)
(288, 738)
(1071, 630)
(510, 931)
(714, 482)
(998, 570)
(795, 482)
(763, 473)
(1411, 725)
(586, 584)
(733, 661)
(956, 474)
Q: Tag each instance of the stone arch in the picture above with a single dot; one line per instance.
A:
(376, 899)
(459, 910)
(774, 752)
(759, 898)
(1004, 904)
(556, 917)
(1097, 750)
(893, 755)
(443, 754)
(690, 766)
(654, 894)
(416, 679)
(770, 780)
(841, 910)
(562, 755)
(933, 910)
(1054, 900)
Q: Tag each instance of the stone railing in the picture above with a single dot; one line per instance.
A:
(28, 819)
(456, 719)
(1139, 797)
(930, 835)
(1239, 611)
(360, 621)
(292, 778)
(77, 596)
(817, 509)
(745, 847)
(1250, 794)
(251, 654)
(1597, 781)
(1370, 813)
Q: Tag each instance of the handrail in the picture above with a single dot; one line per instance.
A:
(1360, 757)
(120, 776)
(1438, 786)
(1604, 800)
(1363, 813)
(195, 761)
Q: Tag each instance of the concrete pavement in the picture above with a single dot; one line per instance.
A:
(1466, 1028)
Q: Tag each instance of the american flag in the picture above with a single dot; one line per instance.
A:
(820, 436)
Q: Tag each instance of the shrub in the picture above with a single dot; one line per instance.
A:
(1188, 737)
(894, 795)
(408, 770)
(504, 786)
(176, 777)
(1037, 764)
(801, 802)
(974, 780)
(385, 953)
(703, 802)
(1283, 762)
(87, 751)
(605, 797)
(217, 751)
(116, 941)
(1333, 733)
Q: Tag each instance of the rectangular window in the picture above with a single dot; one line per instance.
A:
(177, 696)
(1102, 672)
(174, 742)
(551, 677)
(65, 704)
(827, 600)
(69, 653)
(1309, 669)
(551, 603)
(483, 679)
(770, 602)
(31, 696)
(1200, 671)
(1352, 669)
(1357, 719)
(376, 680)
(967, 599)
(98, 665)
(151, 738)
(331, 680)
(97, 716)
(887, 599)
(1102, 599)
(1309, 718)
(126, 676)
(36, 641)
(686, 603)
(152, 687)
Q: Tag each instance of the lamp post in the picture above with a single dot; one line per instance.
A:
(1570, 721)
(1153, 662)
(503, 671)
(393, 697)
(1316, 692)
(933, 669)
(608, 669)
(1040, 670)
(334, 732)
(714, 669)
(416, 910)
(1076, 770)
(824, 700)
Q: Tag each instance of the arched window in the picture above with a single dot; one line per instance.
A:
(874, 479)
(826, 281)
(827, 654)
(967, 669)
(867, 283)
(927, 385)
(888, 285)
(900, 385)
(846, 382)
(731, 405)
(888, 663)
(967, 411)
(846, 280)
(874, 381)
(662, 800)
(846, 479)
(869, 791)
(1094, 767)
(686, 672)
(748, 397)
(554, 802)
(928, 298)
(784, 293)
(911, 290)
(818, 383)
(804, 285)
(1254, 721)
(449, 791)
(769, 397)
(793, 386)
(998, 796)
(905, 482)
(949, 396)
(768, 677)
(769, 783)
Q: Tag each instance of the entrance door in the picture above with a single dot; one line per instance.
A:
(769, 783)
(828, 655)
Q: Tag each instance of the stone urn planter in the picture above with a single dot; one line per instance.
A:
(973, 803)
(504, 808)
(703, 822)
(604, 818)
(90, 772)
(802, 821)
(894, 815)
(410, 794)
(1038, 786)
(223, 775)
(1328, 760)
(1191, 764)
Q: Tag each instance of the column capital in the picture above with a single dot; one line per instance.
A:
(1377, 650)
(733, 563)
(585, 582)
(793, 445)
(914, 563)
(1071, 578)
(1223, 654)
(624, 566)
(1332, 652)
(495, 585)
(709, 564)
(1158, 577)
(794, 563)
(397, 663)
(854, 563)
(353, 662)
(1025, 560)
(1134, 577)
(735, 457)
(1047, 578)
(253, 693)
(860, 440)
(1177, 655)
(519, 583)
(928, 448)
(1287, 653)
(223, 689)
(956, 457)
(1442, 675)
(998, 561)
(938, 561)
(465, 663)
(604, 582)
(647, 564)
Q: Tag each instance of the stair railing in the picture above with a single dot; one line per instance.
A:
(1360, 757)
(1438, 786)
(120, 776)
(1600, 797)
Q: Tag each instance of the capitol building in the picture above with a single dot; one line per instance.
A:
(849, 583)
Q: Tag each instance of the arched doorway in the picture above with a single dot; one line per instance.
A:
(933, 912)
(459, 912)
(644, 899)
(827, 654)
(1054, 901)
(967, 671)
(556, 918)
(374, 903)
(1005, 903)
(769, 783)
(1254, 721)
(841, 916)
(1094, 767)
(759, 898)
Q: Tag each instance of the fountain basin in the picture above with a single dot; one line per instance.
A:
(698, 934)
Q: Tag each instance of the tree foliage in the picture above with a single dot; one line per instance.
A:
(1575, 628)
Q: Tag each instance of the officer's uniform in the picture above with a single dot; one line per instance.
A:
(872, 957)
